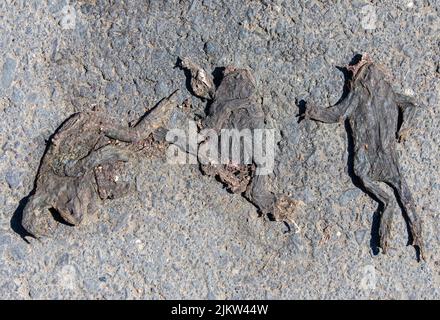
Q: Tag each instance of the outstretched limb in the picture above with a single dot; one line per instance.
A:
(147, 124)
(387, 213)
(413, 219)
(155, 118)
(361, 170)
(333, 114)
(408, 108)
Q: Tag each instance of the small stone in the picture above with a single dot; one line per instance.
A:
(13, 178)
(17, 252)
(210, 48)
(8, 72)
(112, 89)
(409, 92)
(67, 277)
(68, 20)
(161, 89)
(359, 235)
(63, 260)
(139, 244)
(17, 96)
(349, 195)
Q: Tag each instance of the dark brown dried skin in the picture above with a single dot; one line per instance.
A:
(235, 105)
(80, 165)
(235, 178)
(107, 181)
(372, 109)
(201, 83)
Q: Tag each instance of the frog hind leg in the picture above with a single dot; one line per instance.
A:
(393, 177)
(362, 169)
(406, 201)
(387, 213)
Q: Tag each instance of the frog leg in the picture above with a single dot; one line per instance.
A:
(285, 210)
(335, 113)
(387, 213)
(147, 124)
(409, 108)
(361, 170)
(414, 222)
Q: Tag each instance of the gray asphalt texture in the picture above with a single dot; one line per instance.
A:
(180, 234)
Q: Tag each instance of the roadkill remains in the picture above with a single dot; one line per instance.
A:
(374, 111)
(235, 124)
(80, 166)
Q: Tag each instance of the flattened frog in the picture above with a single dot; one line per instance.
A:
(373, 110)
(80, 165)
(235, 104)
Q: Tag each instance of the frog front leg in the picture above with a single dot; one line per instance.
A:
(409, 108)
(333, 114)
